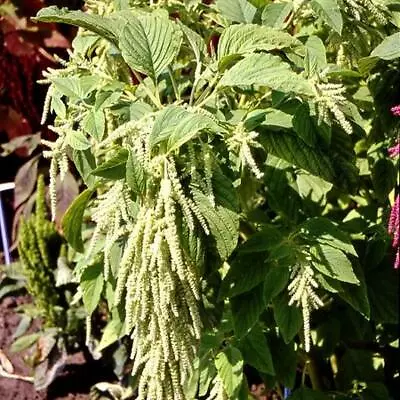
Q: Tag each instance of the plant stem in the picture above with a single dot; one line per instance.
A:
(154, 99)
(174, 85)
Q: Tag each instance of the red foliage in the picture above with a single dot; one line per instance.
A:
(23, 57)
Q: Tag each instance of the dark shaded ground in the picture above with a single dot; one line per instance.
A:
(73, 383)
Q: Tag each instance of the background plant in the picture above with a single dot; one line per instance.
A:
(238, 181)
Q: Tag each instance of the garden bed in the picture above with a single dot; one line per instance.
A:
(72, 383)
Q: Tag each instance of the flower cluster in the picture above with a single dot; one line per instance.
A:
(394, 219)
(302, 293)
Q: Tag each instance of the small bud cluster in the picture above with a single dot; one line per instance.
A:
(241, 141)
(302, 293)
(329, 97)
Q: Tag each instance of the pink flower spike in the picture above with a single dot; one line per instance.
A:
(397, 261)
(394, 151)
(396, 110)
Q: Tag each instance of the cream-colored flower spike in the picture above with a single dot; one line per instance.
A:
(328, 97)
(240, 142)
(302, 294)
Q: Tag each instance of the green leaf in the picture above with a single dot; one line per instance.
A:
(234, 284)
(197, 44)
(236, 10)
(357, 296)
(92, 282)
(222, 219)
(266, 70)
(274, 15)
(75, 87)
(85, 163)
(329, 11)
(312, 187)
(72, 220)
(255, 350)
(189, 126)
(389, 49)
(244, 39)
(246, 310)
(333, 262)
(315, 59)
(165, 123)
(288, 318)
(275, 281)
(292, 149)
(77, 140)
(135, 173)
(95, 124)
(304, 126)
(149, 44)
(115, 167)
(324, 231)
(112, 332)
(285, 360)
(229, 364)
(24, 342)
(104, 27)
(305, 393)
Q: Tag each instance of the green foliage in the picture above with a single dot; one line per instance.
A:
(38, 247)
(237, 192)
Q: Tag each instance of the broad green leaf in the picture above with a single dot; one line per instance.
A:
(104, 27)
(91, 283)
(135, 173)
(315, 59)
(288, 318)
(249, 38)
(115, 167)
(222, 219)
(266, 70)
(149, 44)
(305, 393)
(333, 262)
(237, 10)
(246, 310)
(295, 151)
(256, 271)
(389, 49)
(275, 281)
(112, 332)
(106, 99)
(324, 231)
(304, 125)
(57, 105)
(85, 163)
(77, 140)
(277, 119)
(72, 220)
(197, 44)
(165, 123)
(75, 87)
(229, 364)
(274, 15)
(189, 126)
(95, 124)
(357, 296)
(285, 360)
(262, 241)
(24, 342)
(329, 11)
(312, 187)
(255, 350)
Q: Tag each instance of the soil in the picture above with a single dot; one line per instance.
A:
(74, 381)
